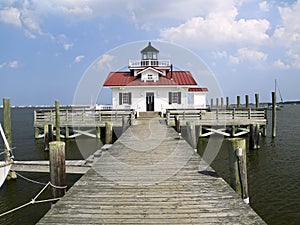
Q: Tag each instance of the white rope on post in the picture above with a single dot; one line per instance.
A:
(34, 200)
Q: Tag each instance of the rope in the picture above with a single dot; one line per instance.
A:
(58, 187)
(37, 182)
(34, 201)
(28, 179)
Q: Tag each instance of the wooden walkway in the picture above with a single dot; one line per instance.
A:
(150, 176)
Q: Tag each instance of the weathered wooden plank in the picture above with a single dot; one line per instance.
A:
(133, 190)
(72, 166)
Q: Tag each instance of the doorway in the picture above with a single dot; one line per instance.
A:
(150, 101)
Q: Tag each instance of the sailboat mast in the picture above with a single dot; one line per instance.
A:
(277, 88)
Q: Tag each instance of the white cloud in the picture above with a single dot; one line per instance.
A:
(13, 64)
(234, 59)
(10, 15)
(68, 46)
(156, 12)
(252, 55)
(79, 58)
(280, 65)
(246, 55)
(31, 23)
(289, 33)
(294, 59)
(2, 65)
(220, 54)
(218, 29)
(264, 6)
(173, 11)
(104, 61)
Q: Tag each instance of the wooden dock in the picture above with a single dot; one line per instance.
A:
(81, 121)
(229, 122)
(150, 176)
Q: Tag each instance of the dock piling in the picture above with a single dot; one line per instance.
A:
(125, 123)
(227, 102)
(257, 100)
(274, 114)
(67, 130)
(177, 124)
(7, 125)
(238, 101)
(108, 133)
(57, 168)
(191, 133)
(238, 166)
(98, 134)
(247, 101)
(7, 132)
(48, 137)
(254, 137)
(57, 121)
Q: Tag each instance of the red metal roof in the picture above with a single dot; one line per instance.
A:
(126, 79)
(197, 90)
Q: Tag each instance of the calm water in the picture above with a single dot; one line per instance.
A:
(273, 171)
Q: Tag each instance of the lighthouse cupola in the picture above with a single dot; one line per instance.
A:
(149, 53)
(149, 58)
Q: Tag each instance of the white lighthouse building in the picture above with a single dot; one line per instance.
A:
(152, 84)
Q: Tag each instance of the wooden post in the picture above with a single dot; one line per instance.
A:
(36, 133)
(57, 168)
(257, 100)
(7, 126)
(238, 101)
(222, 102)
(254, 137)
(227, 102)
(108, 133)
(217, 102)
(46, 137)
(36, 129)
(177, 124)
(48, 130)
(238, 166)
(57, 120)
(67, 136)
(200, 131)
(232, 131)
(247, 101)
(7, 132)
(98, 134)
(273, 114)
(191, 133)
(264, 132)
(211, 103)
(124, 123)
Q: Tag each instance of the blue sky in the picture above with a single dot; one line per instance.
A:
(46, 46)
